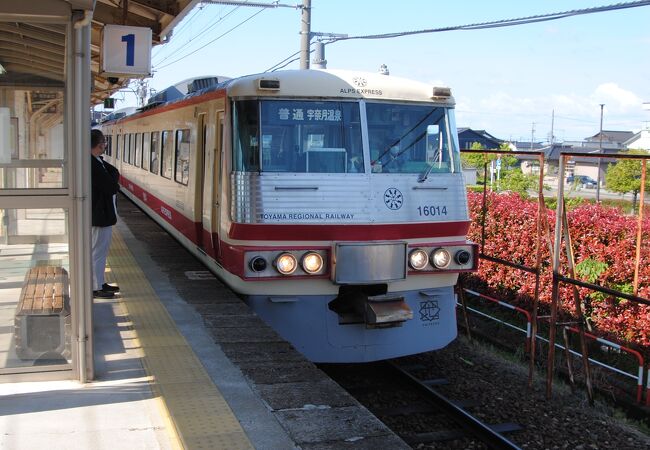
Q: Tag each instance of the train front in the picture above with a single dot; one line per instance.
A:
(349, 211)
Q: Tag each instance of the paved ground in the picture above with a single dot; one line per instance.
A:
(299, 400)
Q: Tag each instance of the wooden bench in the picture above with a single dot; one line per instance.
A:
(42, 320)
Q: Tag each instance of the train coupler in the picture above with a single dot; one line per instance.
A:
(376, 311)
(386, 311)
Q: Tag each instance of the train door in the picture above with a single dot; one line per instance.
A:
(203, 174)
(216, 186)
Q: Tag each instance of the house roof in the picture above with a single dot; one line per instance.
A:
(523, 146)
(633, 139)
(552, 153)
(611, 136)
(482, 133)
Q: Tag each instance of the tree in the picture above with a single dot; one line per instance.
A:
(476, 160)
(625, 176)
(507, 161)
(516, 181)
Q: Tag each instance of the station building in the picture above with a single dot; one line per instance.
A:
(53, 68)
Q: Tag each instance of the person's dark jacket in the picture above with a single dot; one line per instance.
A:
(104, 179)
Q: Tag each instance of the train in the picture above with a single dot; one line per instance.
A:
(331, 201)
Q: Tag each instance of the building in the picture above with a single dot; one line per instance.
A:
(467, 137)
(640, 140)
(610, 139)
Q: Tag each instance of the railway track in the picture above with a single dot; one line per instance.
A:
(415, 410)
(490, 434)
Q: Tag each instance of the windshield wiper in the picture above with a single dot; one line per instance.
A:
(422, 178)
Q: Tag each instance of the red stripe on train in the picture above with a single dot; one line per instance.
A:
(187, 227)
(352, 232)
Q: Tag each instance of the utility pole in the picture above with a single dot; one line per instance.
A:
(305, 34)
(532, 136)
(600, 150)
(552, 125)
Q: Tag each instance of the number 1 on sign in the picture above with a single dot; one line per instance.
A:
(130, 48)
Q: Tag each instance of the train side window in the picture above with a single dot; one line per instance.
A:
(138, 150)
(246, 138)
(109, 145)
(132, 149)
(146, 150)
(167, 154)
(126, 148)
(182, 172)
(117, 147)
(154, 162)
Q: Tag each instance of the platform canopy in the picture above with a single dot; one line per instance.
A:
(32, 51)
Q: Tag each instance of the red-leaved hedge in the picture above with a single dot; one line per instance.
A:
(604, 245)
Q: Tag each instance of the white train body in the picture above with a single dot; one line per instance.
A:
(332, 202)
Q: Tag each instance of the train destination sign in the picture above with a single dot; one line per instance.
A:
(300, 114)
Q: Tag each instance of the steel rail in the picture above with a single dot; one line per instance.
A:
(467, 421)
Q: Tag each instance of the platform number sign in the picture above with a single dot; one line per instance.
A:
(126, 51)
(130, 42)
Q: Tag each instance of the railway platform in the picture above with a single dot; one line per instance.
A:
(181, 362)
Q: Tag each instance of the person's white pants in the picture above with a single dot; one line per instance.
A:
(101, 241)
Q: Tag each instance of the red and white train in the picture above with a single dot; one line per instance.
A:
(333, 202)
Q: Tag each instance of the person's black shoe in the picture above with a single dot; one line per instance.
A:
(103, 294)
(108, 288)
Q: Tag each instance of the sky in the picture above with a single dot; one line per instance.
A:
(516, 83)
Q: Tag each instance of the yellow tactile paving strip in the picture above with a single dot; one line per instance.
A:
(201, 417)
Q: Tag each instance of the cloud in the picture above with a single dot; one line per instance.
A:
(576, 116)
(616, 99)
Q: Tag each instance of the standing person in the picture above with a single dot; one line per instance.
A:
(104, 180)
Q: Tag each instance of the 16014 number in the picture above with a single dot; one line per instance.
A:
(432, 210)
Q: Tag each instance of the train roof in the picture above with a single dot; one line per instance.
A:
(337, 83)
(313, 83)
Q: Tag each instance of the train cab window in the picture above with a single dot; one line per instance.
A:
(154, 161)
(182, 171)
(298, 136)
(146, 150)
(167, 154)
(411, 139)
(246, 136)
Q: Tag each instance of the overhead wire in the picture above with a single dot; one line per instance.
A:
(284, 65)
(213, 40)
(275, 66)
(201, 33)
(178, 32)
(486, 25)
(502, 23)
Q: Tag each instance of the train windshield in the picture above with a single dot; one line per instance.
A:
(298, 136)
(325, 136)
(408, 138)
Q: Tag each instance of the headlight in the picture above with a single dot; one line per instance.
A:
(286, 263)
(462, 257)
(312, 262)
(257, 264)
(418, 259)
(440, 258)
